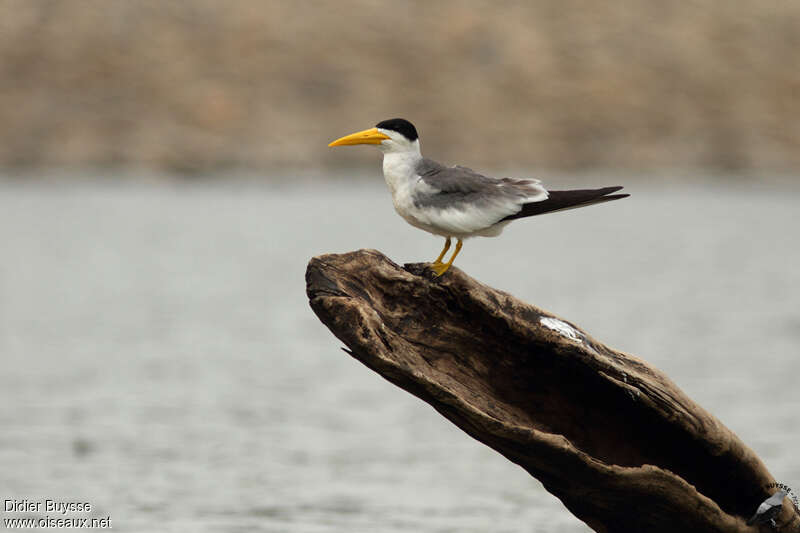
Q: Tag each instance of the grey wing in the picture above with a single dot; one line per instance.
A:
(459, 201)
(461, 187)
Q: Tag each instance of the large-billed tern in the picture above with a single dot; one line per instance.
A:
(457, 202)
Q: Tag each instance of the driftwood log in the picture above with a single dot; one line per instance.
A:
(612, 437)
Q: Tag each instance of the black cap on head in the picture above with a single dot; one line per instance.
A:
(401, 126)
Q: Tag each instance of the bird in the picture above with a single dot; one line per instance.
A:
(455, 202)
(768, 509)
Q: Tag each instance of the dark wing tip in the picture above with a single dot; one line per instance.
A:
(571, 199)
(615, 196)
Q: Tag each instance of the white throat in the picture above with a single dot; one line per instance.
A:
(400, 164)
(399, 170)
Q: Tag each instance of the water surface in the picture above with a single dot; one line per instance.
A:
(161, 362)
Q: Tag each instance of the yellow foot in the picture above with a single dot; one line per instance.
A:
(439, 268)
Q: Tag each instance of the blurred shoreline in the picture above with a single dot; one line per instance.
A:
(367, 175)
(198, 88)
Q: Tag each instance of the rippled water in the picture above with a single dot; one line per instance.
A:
(160, 361)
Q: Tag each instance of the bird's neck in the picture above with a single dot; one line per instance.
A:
(400, 169)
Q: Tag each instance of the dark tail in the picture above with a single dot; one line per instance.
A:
(561, 200)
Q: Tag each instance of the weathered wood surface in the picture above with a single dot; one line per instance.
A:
(612, 437)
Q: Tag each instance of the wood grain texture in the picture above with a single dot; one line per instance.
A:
(611, 436)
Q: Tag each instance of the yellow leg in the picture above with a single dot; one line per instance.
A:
(444, 251)
(441, 268)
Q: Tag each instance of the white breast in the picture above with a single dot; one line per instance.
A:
(399, 171)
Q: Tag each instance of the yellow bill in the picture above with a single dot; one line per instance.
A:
(370, 136)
